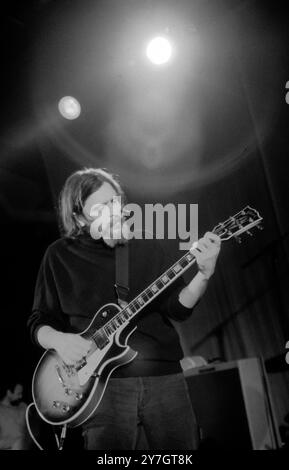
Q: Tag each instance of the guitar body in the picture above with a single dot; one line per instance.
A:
(70, 394)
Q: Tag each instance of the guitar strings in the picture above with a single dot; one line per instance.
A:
(135, 304)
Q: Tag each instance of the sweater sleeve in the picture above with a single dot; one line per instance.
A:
(169, 304)
(46, 308)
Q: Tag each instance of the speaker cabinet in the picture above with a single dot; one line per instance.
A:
(233, 405)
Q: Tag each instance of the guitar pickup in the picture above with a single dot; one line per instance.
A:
(100, 339)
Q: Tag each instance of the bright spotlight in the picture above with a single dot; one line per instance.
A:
(69, 107)
(159, 50)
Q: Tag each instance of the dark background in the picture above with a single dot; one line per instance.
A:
(210, 129)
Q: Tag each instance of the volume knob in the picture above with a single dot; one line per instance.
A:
(65, 408)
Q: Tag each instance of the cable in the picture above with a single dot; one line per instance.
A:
(29, 428)
(59, 443)
(62, 437)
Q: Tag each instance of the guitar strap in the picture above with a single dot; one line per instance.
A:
(122, 273)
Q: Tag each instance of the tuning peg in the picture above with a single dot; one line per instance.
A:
(260, 227)
(238, 239)
(249, 233)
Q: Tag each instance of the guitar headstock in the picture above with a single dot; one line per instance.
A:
(240, 223)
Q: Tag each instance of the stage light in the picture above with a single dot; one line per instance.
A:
(69, 107)
(159, 50)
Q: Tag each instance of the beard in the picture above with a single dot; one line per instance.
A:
(16, 402)
(115, 232)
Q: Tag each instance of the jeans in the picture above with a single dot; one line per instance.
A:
(143, 413)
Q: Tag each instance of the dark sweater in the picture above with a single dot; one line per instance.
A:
(77, 277)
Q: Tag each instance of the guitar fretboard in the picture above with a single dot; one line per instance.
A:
(143, 299)
(240, 223)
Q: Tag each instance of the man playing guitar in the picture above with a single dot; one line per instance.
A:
(77, 277)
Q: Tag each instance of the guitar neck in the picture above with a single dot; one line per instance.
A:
(150, 293)
(160, 284)
(233, 227)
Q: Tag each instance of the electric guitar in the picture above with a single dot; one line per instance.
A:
(69, 395)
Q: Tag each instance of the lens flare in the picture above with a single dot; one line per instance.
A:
(69, 107)
(159, 50)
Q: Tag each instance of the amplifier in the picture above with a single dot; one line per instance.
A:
(233, 405)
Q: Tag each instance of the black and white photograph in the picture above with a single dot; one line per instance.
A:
(144, 200)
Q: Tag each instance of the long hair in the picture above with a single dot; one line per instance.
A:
(77, 188)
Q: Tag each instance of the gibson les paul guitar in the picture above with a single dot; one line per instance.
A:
(68, 395)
